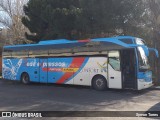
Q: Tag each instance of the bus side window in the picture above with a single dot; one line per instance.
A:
(114, 60)
(17, 54)
(115, 63)
(35, 53)
(7, 54)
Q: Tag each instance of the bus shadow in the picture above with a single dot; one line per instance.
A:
(81, 87)
(76, 87)
(40, 96)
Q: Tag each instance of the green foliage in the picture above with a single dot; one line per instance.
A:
(108, 15)
(76, 19)
(50, 19)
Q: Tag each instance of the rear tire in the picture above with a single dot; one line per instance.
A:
(99, 83)
(25, 79)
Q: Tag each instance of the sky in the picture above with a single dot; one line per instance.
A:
(2, 14)
(19, 3)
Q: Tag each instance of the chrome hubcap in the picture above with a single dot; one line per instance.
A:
(99, 82)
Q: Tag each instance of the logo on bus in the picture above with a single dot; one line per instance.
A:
(44, 64)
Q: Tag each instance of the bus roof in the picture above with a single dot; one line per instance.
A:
(107, 43)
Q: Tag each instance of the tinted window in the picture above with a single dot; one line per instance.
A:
(7, 54)
(38, 52)
(19, 53)
(114, 60)
(127, 41)
(115, 63)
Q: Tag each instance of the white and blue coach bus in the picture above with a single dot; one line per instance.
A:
(117, 62)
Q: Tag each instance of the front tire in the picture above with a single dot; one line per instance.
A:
(25, 79)
(99, 83)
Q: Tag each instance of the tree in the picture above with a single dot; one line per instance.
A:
(51, 19)
(154, 25)
(11, 19)
(76, 19)
(107, 16)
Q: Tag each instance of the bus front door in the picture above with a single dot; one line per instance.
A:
(43, 70)
(114, 71)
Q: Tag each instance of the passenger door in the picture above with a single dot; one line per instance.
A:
(114, 71)
(129, 72)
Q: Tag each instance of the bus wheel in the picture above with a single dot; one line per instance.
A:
(99, 83)
(25, 78)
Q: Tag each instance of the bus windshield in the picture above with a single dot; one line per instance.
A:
(143, 59)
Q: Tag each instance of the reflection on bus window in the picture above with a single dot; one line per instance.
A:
(115, 63)
(139, 41)
(143, 60)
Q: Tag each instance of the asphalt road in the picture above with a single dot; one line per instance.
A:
(49, 97)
